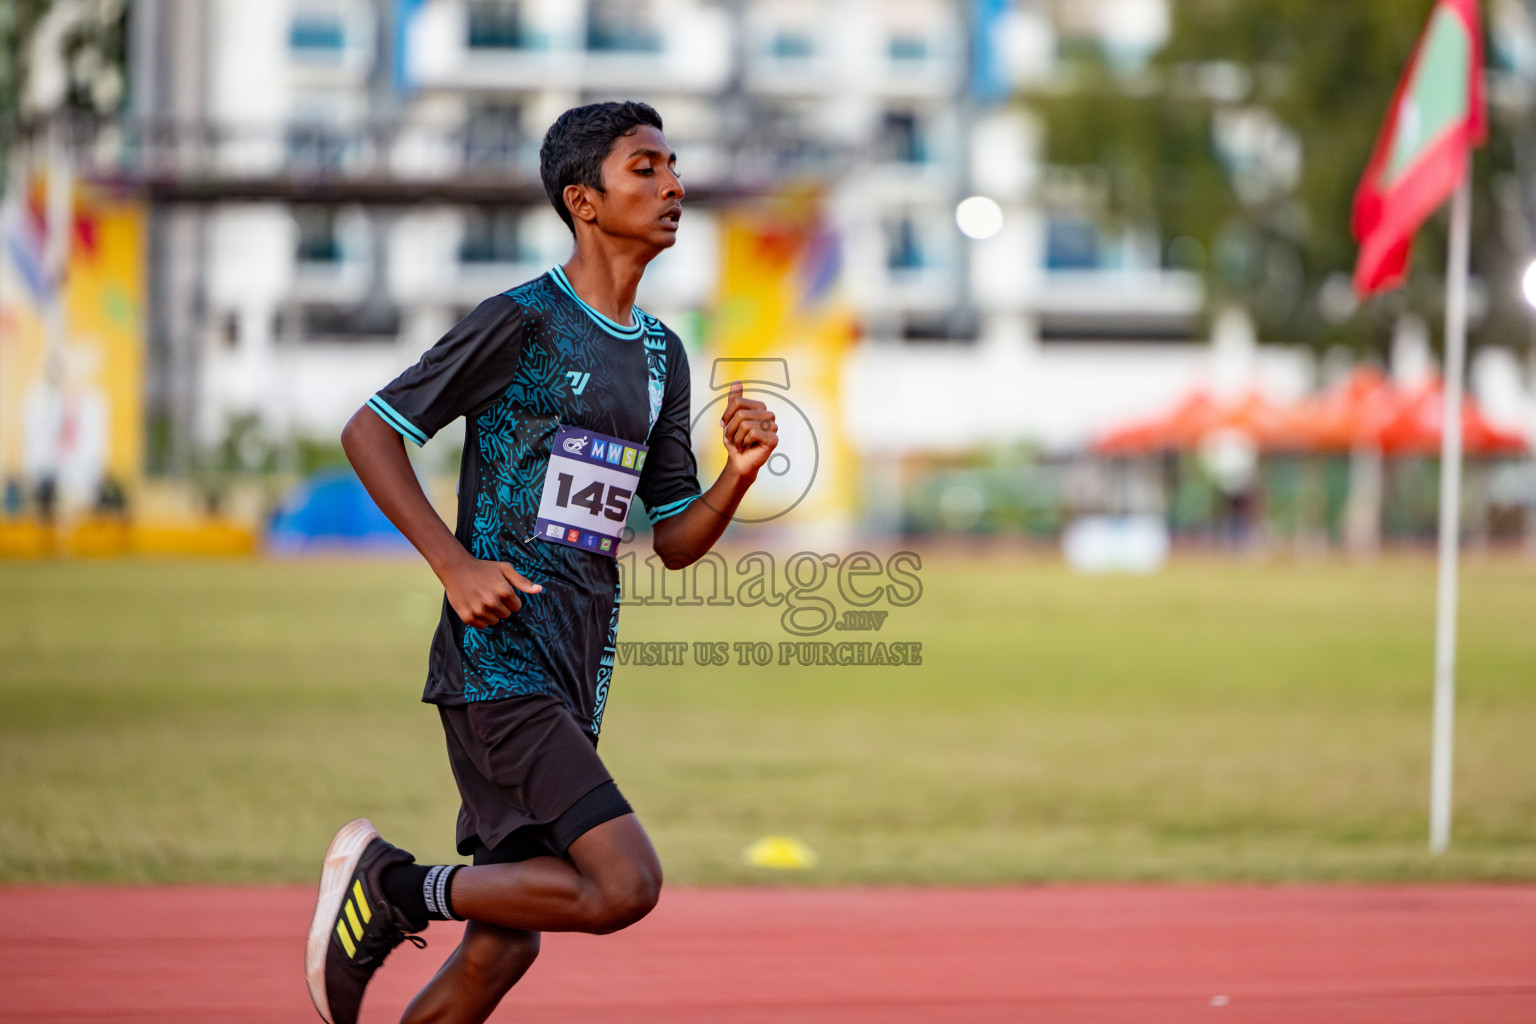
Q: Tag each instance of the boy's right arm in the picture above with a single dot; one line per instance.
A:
(481, 593)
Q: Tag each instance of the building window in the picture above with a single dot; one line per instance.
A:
(903, 247)
(495, 25)
(493, 136)
(951, 327)
(907, 49)
(1071, 243)
(901, 138)
(375, 320)
(315, 148)
(622, 26)
(792, 44)
(318, 238)
(493, 236)
(316, 35)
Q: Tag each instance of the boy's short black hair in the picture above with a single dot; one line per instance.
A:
(579, 141)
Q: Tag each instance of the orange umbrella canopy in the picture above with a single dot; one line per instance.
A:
(1353, 414)
(1170, 431)
(1197, 416)
(1365, 410)
(1420, 420)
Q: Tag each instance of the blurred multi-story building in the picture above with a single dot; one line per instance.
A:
(336, 181)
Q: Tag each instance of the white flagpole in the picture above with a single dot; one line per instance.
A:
(1450, 518)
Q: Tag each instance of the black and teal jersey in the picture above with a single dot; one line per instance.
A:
(518, 368)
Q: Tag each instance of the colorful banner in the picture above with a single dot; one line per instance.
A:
(72, 367)
(781, 326)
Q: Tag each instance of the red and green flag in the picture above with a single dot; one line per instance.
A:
(1424, 149)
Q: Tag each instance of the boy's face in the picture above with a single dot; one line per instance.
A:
(642, 197)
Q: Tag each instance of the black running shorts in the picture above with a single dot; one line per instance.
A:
(530, 781)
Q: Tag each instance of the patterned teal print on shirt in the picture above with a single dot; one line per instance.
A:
(518, 368)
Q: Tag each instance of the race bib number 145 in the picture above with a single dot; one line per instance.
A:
(587, 490)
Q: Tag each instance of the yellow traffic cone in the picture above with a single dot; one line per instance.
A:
(782, 853)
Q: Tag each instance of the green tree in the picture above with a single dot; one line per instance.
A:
(1248, 133)
(16, 20)
(95, 53)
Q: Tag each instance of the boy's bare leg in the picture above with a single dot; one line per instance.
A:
(612, 880)
(488, 962)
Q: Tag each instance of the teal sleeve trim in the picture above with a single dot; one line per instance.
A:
(398, 422)
(670, 509)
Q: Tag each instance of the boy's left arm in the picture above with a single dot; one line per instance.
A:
(750, 433)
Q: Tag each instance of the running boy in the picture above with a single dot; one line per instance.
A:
(576, 402)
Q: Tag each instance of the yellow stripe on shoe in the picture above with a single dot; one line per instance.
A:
(357, 927)
(346, 940)
(362, 904)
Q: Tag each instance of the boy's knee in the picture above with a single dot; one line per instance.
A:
(624, 901)
(498, 963)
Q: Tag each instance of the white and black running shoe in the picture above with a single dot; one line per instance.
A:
(354, 927)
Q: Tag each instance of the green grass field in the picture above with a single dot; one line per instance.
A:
(215, 721)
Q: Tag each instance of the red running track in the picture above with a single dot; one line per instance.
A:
(1064, 955)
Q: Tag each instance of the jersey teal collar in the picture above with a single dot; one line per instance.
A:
(618, 330)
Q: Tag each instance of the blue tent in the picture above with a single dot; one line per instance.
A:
(331, 512)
